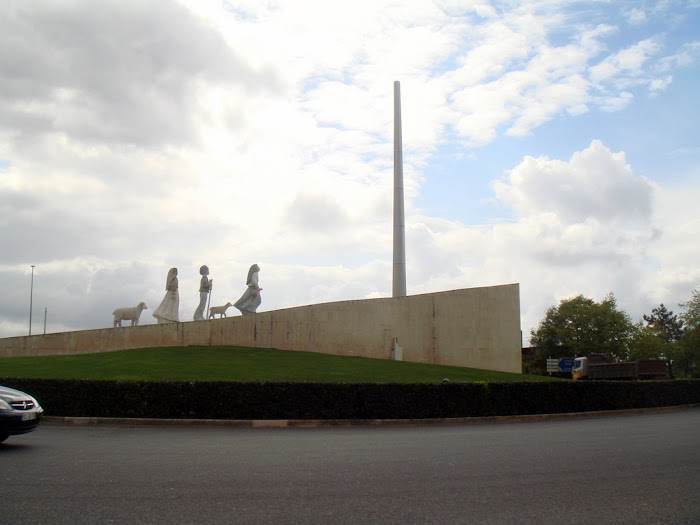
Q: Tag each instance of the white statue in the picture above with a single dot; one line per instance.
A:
(128, 314)
(167, 311)
(204, 289)
(221, 310)
(250, 300)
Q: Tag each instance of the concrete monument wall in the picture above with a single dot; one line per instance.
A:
(476, 327)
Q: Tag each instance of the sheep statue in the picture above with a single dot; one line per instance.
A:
(129, 314)
(221, 310)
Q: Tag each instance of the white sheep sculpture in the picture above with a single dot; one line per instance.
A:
(129, 314)
(221, 310)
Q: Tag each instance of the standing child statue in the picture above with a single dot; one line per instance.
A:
(204, 289)
(167, 311)
(250, 300)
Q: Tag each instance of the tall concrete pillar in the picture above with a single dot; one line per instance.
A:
(399, 275)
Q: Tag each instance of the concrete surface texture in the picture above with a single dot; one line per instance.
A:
(475, 327)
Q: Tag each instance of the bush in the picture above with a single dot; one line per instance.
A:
(238, 400)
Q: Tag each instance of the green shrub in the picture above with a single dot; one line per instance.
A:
(279, 400)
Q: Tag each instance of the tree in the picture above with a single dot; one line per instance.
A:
(691, 316)
(665, 324)
(688, 361)
(581, 326)
(645, 343)
(659, 338)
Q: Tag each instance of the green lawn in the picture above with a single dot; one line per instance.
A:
(232, 363)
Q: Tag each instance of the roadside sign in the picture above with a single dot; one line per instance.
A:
(560, 364)
(552, 365)
(566, 364)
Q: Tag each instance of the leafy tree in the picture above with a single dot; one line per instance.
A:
(665, 323)
(691, 316)
(687, 363)
(581, 326)
(659, 338)
(645, 343)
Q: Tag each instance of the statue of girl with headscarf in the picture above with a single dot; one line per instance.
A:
(168, 308)
(250, 300)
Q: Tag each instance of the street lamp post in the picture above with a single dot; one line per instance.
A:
(31, 297)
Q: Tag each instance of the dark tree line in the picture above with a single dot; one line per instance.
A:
(581, 326)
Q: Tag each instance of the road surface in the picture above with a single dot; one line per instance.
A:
(634, 469)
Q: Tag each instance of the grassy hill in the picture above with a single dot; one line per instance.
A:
(231, 363)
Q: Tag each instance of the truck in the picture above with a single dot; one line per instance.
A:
(603, 367)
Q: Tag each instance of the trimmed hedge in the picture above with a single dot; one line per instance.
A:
(237, 400)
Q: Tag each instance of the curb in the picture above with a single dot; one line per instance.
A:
(319, 423)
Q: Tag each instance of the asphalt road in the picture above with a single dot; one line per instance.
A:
(634, 469)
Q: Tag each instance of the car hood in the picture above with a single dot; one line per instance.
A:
(10, 394)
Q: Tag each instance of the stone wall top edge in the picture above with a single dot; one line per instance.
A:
(387, 299)
(82, 331)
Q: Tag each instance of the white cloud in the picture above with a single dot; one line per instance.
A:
(675, 250)
(635, 16)
(122, 74)
(595, 184)
(686, 56)
(588, 225)
(142, 136)
(626, 63)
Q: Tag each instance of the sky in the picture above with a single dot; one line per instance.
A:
(548, 143)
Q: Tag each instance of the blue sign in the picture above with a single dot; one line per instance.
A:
(566, 364)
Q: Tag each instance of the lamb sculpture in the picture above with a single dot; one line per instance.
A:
(221, 310)
(129, 314)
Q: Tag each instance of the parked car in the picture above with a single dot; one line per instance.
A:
(19, 413)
